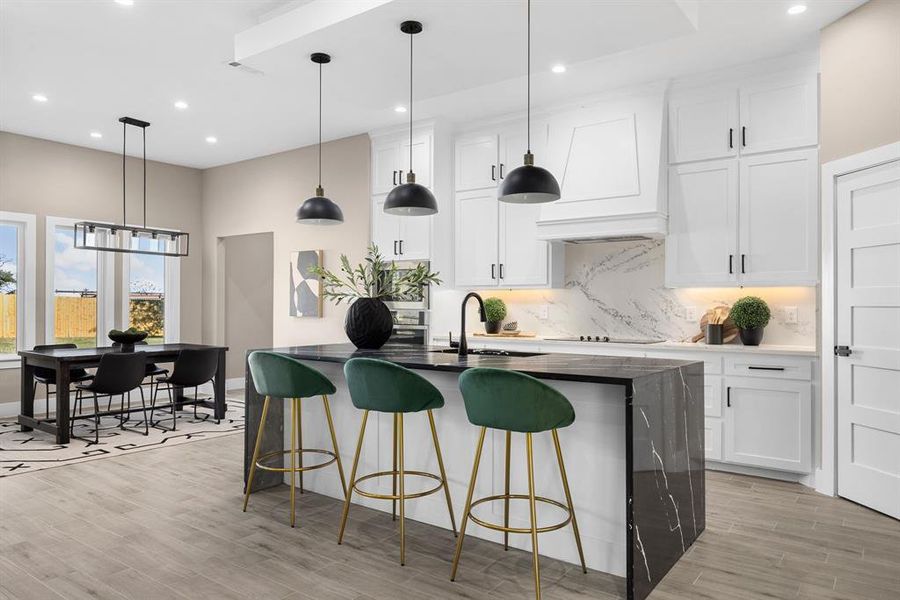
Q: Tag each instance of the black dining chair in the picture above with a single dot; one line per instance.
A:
(193, 368)
(152, 370)
(118, 373)
(47, 376)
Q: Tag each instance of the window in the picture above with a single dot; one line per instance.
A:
(79, 283)
(151, 300)
(17, 252)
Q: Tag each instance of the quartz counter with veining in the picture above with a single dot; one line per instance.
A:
(636, 448)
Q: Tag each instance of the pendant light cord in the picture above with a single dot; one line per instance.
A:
(124, 128)
(320, 124)
(528, 78)
(144, 132)
(410, 102)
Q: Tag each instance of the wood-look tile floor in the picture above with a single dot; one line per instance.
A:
(168, 524)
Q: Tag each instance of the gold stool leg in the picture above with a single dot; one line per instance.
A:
(565, 482)
(465, 520)
(402, 499)
(440, 460)
(362, 431)
(259, 437)
(293, 456)
(506, 500)
(534, 538)
(394, 475)
(334, 445)
(300, 439)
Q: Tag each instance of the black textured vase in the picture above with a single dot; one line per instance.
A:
(752, 337)
(369, 323)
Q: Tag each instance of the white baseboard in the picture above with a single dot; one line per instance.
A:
(760, 472)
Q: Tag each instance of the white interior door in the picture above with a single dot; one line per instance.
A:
(868, 323)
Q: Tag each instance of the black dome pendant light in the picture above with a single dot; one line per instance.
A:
(410, 199)
(319, 210)
(529, 184)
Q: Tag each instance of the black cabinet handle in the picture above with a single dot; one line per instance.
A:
(501, 170)
(842, 351)
(731, 137)
(394, 178)
(401, 247)
(399, 177)
(752, 368)
(744, 137)
(728, 396)
(743, 263)
(493, 172)
(731, 264)
(395, 247)
(501, 270)
(493, 269)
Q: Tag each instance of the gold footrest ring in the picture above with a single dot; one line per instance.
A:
(397, 496)
(496, 527)
(268, 455)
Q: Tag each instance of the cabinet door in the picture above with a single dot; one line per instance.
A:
(779, 219)
(476, 238)
(779, 113)
(703, 125)
(415, 237)
(421, 160)
(476, 163)
(701, 246)
(768, 423)
(524, 260)
(385, 229)
(385, 167)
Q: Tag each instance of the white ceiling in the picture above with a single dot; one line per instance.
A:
(98, 60)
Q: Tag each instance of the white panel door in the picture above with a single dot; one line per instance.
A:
(476, 163)
(779, 113)
(415, 237)
(768, 423)
(868, 322)
(385, 167)
(701, 247)
(385, 229)
(421, 160)
(703, 125)
(779, 219)
(477, 215)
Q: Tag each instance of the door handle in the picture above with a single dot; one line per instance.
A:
(728, 396)
(501, 170)
(493, 172)
(731, 137)
(744, 137)
(401, 247)
(743, 265)
(394, 178)
(395, 247)
(842, 351)
(752, 368)
(493, 269)
(501, 270)
(731, 264)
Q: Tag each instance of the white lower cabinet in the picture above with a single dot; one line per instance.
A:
(713, 431)
(768, 423)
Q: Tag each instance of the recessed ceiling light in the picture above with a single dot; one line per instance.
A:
(559, 68)
(211, 139)
(39, 98)
(797, 9)
(181, 104)
(96, 135)
(400, 109)
(125, 2)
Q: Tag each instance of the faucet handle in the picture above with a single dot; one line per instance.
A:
(452, 343)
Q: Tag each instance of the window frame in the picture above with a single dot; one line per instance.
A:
(106, 285)
(26, 306)
(172, 291)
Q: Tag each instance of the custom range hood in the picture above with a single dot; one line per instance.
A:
(110, 237)
(609, 158)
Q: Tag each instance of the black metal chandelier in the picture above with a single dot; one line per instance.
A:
(110, 237)
(410, 199)
(529, 184)
(319, 210)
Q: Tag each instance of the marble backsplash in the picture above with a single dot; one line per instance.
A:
(617, 289)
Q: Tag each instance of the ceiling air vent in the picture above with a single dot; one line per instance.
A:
(244, 68)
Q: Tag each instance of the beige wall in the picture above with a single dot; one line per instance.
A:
(262, 195)
(860, 65)
(51, 179)
(248, 296)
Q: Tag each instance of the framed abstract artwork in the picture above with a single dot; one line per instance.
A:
(306, 288)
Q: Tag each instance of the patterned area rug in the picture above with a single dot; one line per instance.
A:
(26, 452)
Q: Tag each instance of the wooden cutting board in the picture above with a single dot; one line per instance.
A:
(508, 334)
(729, 333)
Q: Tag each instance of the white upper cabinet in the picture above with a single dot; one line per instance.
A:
(385, 164)
(390, 161)
(779, 219)
(477, 215)
(421, 160)
(701, 247)
(779, 113)
(385, 229)
(703, 125)
(477, 163)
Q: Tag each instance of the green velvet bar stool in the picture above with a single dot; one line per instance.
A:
(511, 401)
(280, 376)
(385, 387)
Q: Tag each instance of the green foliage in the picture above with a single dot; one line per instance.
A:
(147, 315)
(372, 278)
(750, 312)
(494, 309)
(7, 279)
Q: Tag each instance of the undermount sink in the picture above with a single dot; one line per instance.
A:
(491, 352)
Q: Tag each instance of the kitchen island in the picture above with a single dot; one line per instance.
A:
(635, 454)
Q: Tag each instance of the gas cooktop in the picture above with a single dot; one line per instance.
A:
(605, 339)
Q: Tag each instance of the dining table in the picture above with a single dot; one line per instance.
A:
(63, 360)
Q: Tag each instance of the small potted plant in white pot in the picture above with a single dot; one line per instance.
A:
(369, 322)
(751, 314)
(495, 311)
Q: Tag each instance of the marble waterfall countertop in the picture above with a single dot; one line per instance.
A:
(586, 368)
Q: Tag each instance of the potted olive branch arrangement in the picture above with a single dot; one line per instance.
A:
(369, 323)
(751, 314)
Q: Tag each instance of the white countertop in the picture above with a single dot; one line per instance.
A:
(668, 345)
